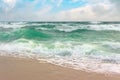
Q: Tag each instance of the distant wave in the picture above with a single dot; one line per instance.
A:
(67, 27)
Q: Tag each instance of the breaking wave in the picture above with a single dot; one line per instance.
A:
(90, 46)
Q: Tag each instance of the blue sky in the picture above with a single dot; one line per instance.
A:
(60, 10)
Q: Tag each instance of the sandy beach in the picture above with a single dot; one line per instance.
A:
(28, 69)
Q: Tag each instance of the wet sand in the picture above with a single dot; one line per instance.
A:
(28, 69)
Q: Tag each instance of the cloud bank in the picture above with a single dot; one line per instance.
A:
(60, 10)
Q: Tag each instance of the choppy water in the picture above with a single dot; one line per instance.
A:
(93, 46)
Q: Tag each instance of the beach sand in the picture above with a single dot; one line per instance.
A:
(28, 69)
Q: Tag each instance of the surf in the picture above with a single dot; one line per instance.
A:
(86, 46)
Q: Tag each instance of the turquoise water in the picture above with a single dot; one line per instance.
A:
(81, 45)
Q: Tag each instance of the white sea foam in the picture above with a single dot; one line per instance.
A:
(97, 27)
(12, 24)
(66, 28)
(105, 27)
(113, 45)
(63, 27)
(87, 65)
(78, 56)
(95, 22)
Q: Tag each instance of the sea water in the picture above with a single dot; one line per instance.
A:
(90, 46)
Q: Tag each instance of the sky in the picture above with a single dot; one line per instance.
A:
(59, 10)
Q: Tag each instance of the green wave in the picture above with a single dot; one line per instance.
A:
(48, 32)
(27, 33)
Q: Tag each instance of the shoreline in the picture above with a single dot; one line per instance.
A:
(12, 68)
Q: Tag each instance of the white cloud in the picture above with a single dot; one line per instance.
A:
(99, 11)
(57, 2)
(76, 14)
(93, 10)
(9, 4)
(116, 4)
(43, 11)
(75, 0)
(28, 15)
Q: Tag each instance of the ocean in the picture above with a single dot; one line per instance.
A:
(90, 46)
